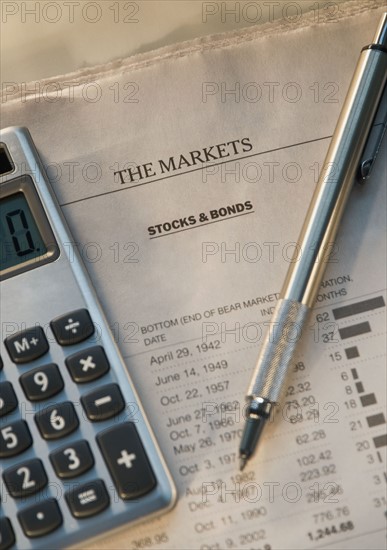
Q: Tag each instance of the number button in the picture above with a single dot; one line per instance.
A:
(72, 461)
(26, 478)
(27, 345)
(8, 399)
(57, 421)
(72, 328)
(127, 462)
(88, 499)
(103, 403)
(7, 536)
(14, 439)
(87, 365)
(40, 519)
(42, 383)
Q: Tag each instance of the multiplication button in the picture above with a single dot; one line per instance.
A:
(87, 365)
(27, 345)
(127, 462)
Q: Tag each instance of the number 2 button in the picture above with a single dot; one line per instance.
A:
(57, 421)
(72, 460)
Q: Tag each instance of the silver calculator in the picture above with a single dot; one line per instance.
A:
(77, 454)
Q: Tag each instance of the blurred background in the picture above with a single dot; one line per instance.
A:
(41, 39)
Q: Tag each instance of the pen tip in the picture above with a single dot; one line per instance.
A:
(242, 463)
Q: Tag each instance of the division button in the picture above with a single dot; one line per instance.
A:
(41, 519)
(88, 364)
(57, 421)
(103, 403)
(72, 328)
(88, 499)
(8, 399)
(27, 345)
(14, 439)
(7, 536)
(42, 383)
(26, 478)
(126, 460)
(72, 460)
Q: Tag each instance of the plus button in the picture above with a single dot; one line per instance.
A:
(126, 459)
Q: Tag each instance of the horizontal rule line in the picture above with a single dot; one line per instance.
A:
(235, 159)
(201, 225)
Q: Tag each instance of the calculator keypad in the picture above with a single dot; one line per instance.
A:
(119, 446)
(42, 383)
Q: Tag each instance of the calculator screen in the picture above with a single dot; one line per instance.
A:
(22, 244)
(19, 235)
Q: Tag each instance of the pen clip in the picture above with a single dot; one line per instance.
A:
(374, 141)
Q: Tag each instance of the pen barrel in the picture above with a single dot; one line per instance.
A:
(317, 236)
(285, 331)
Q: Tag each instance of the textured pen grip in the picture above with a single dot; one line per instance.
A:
(277, 351)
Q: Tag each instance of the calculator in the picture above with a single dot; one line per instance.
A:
(77, 454)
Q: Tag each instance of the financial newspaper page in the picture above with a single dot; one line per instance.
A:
(185, 177)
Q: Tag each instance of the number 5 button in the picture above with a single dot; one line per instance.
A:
(72, 460)
(57, 421)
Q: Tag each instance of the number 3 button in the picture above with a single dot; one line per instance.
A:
(57, 421)
(72, 460)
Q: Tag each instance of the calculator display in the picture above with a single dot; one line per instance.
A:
(20, 238)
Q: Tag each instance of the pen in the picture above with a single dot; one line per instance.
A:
(343, 163)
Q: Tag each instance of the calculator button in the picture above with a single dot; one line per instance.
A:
(72, 460)
(26, 478)
(27, 345)
(7, 536)
(8, 399)
(103, 403)
(72, 328)
(88, 499)
(40, 519)
(88, 365)
(57, 421)
(14, 439)
(127, 462)
(42, 383)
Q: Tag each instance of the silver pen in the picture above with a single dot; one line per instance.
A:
(351, 155)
